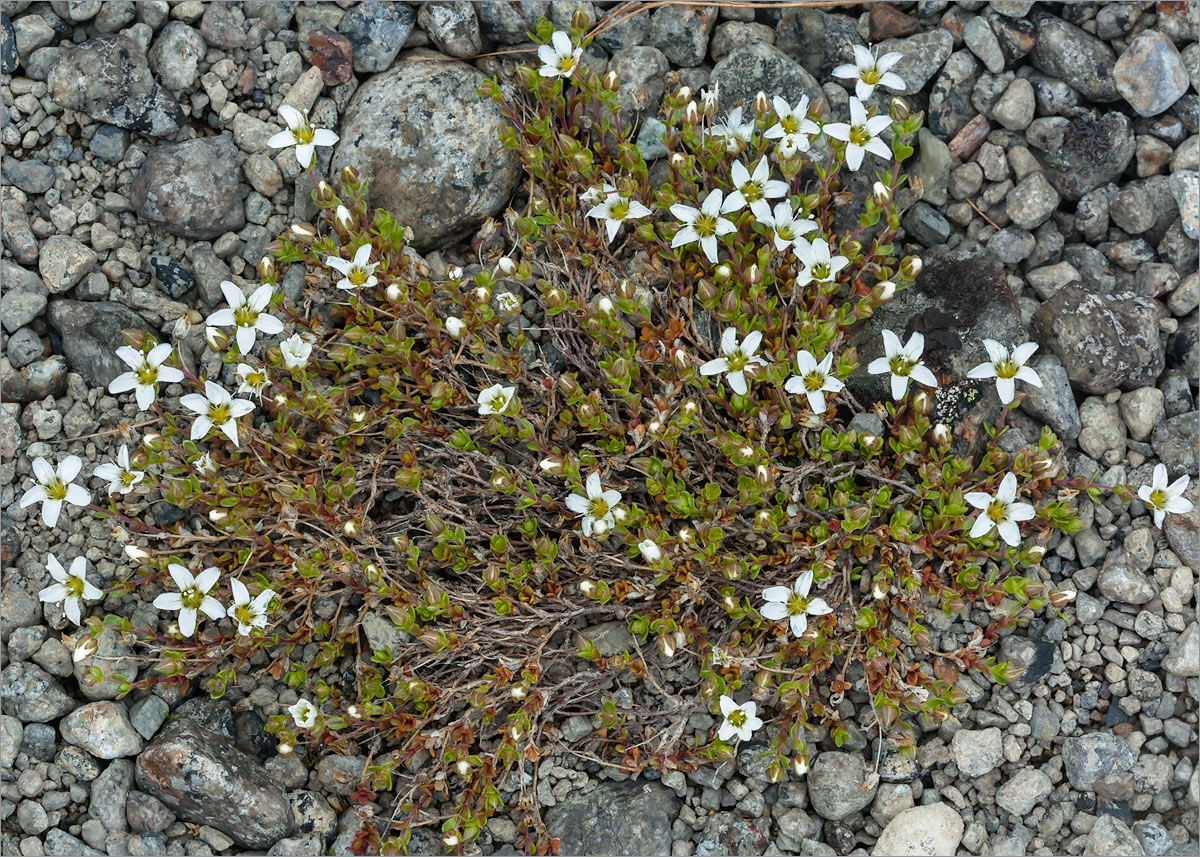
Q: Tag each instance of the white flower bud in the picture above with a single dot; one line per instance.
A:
(650, 550)
(683, 93)
(884, 291)
(1036, 553)
(587, 588)
(218, 516)
(483, 294)
(605, 306)
(454, 272)
(691, 113)
(353, 712)
(506, 265)
(463, 767)
(600, 528)
(551, 465)
(686, 535)
(137, 554)
(667, 646)
(619, 514)
(343, 218)
(518, 691)
(690, 407)
(723, 271)
(392, 292)
(455, 326)
(284, 749)
(882, 194)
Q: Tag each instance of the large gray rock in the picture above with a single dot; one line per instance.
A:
(1094, 152)
(429, 146)
(203, 778)
(950, 106)
(759, 66)
(193, 188)
(108, 78)
(103, 729)
(1091, 757)
(921, 57)
(1064, 51)
(819, 40)
(1174, 442)
(510, 21)
(377, 31)
(1053, 402)
(1150, 73)
(615, 818)
(1183, 658)
(176, 54)
(977, 751)
(32, 694)
(1104, 343)
(1111, 837)
(681, 32)
(732, 833)
(64, 262)
(835, 785)
(92, 331)
(931, 830)
(1027, 788)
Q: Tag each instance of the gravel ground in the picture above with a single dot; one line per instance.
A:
(1061, 142)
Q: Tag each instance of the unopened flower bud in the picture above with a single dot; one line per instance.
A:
(455, 326)
(679, 357)
(343, 219)
(605, 306)
(882, 194)
(900, 108)
(611, 81)
(922, 402)
(463, 767)
(217, 339)
(551, 464)
(691, 113)
(450, 840)
(454, 272)
(506, 265)
(754, 275)
(358, 415)
(690, 408)
(600, 528)
(137, 554)
(762, 104)
(587, 587)
(651, 552)
(942, 435)
(1043, 464)
(350, 528)
(1035, 553)
(677, 160)
(884, 291)
(1060, 598)
(392, 292)
(762, 475)
(666, 645)
(324, 191)
(518, 691)
(799, 765)
(686, 535)
(723, 271)
(349, 174)
(655, 426)
(353, 712)
(303, 232)
(911, 266)
(266, 268)
(683, 93)
(872, 442)
(762, 518)
(218, 516)
(879, 588)
(483, 294)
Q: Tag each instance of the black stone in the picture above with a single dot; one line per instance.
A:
(251, 737)
(1116, 808)
(215, 715)
(166, 514)
(173, 279)
(8, 45)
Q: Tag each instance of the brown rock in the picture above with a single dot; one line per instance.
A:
(970, 138)
(331, 52)
(888, 22)
(203, 778)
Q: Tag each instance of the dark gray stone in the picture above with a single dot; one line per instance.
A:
(750, 68)
(24, 347)
(1064, 51)
(681, 32)
(192, 188)
(173, 279)
(510, 21)
(926, 225)
(1094, 152)
(950, 106)
(377, 31)
(615, 818)
(835, 785)
(1174, 442)
(36, 381)
(92, 331)
(33, 177)
(109, 143)
(32, 694)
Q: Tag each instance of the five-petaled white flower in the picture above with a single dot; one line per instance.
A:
(70, 588)
(509, 303)
(215, 408)
(304, 713)
(782, 222)
(560, 58)
(749, 188)
(205, 465)
(815, 380)
(861, 135)
(792, 121)
(871, 71)
(1007, 367)
(734, 131)
(903, 362)
(614, 209)
(54, 488)
(192, 597)
(295, 352)
(1001, 512)
(595, 506)
(819, 262)
(735, 358)
(252, 379)
(248, 612)
(650, 550)
(359, 272)
(740, 720)
(495, 399)
(301, 134)
(146, 370)
(704, 224)
(1162, 498)
(246, 314)
(794, 604)
(791, 145)
(120, 478)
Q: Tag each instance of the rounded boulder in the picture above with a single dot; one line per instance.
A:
(429, 145)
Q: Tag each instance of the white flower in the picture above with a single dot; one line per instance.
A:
(871, 72)
(720, 657)
(252, 380)
(192, 597)
(792, 121)
(819, 262)
(455, 326)
(735, 358)
(146, 370)
(596, 506)
(304, 713)
(650, 550)
(204, 464)
(357, 273)
(704, 224)
(119, 477)
(246, 314)
(814, 380)
(791, 145)
(246, 611)
(734, 131)
(709, 98)
(560, 58)
(1001, 512)
(215, 408)
(70, 588)
(861, 135)
(1162, 498)
(794, 604)
(508, 302)
(295, 352)
(594, 194)
(752, 187)
(1007, 367)
(301, 134)
(903, 362)
(782, 222)
(54, 488)
(615, 209)
(740, 720)
(495, 399)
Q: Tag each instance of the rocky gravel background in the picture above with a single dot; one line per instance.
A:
(1059, 189)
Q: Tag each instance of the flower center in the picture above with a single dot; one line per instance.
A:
(1006, 368)
(598, 509)
(901, 365)
(1158, 498)
(870, 75)
(814, 381)
(218, 414)
(752, 191)
(304, 133)
(785, 231)
(192, 598)
(357, 276)
(737, 361)
(997, 511)
(499, 402)
(74, 587)
(790, 124)
(705, 225)
(147, 375)
(619, 210)
(243, 614)
(127, 478)
(859, 135)
(737, 718)
(566, 64)
(56, 489)
(797, 605)
(245, 316)
(820, 271)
